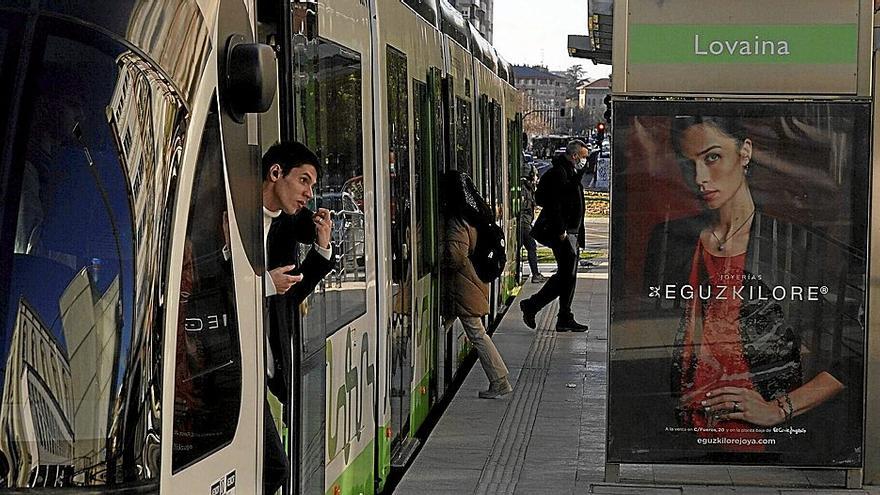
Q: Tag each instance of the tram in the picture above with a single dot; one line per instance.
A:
(131, 243)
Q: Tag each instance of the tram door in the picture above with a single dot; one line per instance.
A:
(443, 342)
(427, 131)
(496, 174)
(399, 336)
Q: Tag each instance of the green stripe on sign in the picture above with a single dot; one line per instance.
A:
(785, 44)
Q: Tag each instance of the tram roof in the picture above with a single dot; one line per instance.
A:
(425, 8)
(483, 50)
(505, 70)
(453, 24)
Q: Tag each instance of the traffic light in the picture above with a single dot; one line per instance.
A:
(600, 132)
(608, 108)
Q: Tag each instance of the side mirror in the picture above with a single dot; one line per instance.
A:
(250, 78)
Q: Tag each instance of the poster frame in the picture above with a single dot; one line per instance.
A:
(627, 107)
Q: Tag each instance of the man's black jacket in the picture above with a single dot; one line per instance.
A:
(561, 196)
(283, 236)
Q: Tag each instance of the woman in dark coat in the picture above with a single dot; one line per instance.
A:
(464, 296)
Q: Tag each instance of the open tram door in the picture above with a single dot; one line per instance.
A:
(428, 151)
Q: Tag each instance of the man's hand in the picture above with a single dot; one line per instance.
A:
(324, 226)
(563, 236)
(283, 282)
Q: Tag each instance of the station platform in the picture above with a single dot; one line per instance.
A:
(548, 436)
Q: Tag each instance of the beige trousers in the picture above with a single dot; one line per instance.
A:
(490, 359)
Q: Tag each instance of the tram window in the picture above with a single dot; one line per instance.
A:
(513, 166)
(334, 129)
(463, 136)
(207, 376)
(497, 159)
(424, 177)
(481, 172)
(398, 165)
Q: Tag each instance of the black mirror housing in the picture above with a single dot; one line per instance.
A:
(250, 78)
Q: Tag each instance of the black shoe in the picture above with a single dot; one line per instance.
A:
(570, 326)
(528, 315)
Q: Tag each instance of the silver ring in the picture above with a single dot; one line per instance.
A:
(735, 406)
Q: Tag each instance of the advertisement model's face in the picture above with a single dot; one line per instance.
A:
(719, 163)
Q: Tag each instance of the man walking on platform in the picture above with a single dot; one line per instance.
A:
(561, 225)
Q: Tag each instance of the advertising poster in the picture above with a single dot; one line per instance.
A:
(738, 282)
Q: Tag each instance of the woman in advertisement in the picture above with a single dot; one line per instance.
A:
(736, 363)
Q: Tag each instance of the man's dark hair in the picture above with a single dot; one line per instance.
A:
(289, 154)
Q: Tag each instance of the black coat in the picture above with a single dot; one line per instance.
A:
(283, 236)
(561, 196)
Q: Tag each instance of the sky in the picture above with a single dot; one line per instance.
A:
(529, 32)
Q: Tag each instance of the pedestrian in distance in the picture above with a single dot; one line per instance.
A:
(464, 296)
(528, 183)
(290, 171)
(560, 227)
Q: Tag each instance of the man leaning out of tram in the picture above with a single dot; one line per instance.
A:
(290, 171)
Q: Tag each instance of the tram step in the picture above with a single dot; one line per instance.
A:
(404, 452)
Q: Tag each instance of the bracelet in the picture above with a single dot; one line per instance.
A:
(784, 403)
(790, 407)
(781, 405)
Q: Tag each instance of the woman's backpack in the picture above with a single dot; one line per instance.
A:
(489, 256)
(461, 199)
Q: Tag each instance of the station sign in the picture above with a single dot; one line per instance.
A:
(745, 47)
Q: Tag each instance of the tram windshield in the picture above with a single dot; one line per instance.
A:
(84, 176)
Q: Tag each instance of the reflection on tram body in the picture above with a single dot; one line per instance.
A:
(79, 314)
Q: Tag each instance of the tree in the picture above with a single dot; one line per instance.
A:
(573, 77)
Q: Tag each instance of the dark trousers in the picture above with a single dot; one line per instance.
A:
(276, 466)
(562, 283)
(525, 234)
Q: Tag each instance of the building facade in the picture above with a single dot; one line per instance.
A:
(591, 98)
(478, 13)
(544, 98)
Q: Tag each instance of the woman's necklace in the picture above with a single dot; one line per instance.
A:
(729, 237)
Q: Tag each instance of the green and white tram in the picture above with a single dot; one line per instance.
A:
(131, 243)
